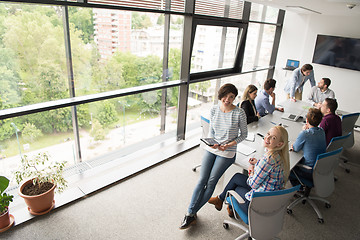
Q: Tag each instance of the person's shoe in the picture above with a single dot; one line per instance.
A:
(230, 212)
(217, 202)
(188, 220)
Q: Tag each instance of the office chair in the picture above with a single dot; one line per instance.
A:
(265, 215)
(348, 123)
(323, 183)
(204, 122)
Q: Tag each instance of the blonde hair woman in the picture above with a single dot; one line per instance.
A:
(269, 173)
(248, 104)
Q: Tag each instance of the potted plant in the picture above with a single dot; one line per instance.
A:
(6, 220)
(41, 176)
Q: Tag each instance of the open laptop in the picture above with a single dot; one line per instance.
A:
(292, 64)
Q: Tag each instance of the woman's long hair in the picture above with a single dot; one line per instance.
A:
(249, 89)
(283, 151)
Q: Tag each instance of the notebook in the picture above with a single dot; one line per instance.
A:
(292, 64)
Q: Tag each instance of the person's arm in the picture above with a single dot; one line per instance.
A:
(311, 96)
(261, 171)
(299, 142)
(250, 115)
(270, 108)
(312, 78)
(332, 94)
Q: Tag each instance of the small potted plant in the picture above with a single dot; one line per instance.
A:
(41, 176)
(6, 220)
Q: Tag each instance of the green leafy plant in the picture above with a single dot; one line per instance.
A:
(42, 170)
(5, 199)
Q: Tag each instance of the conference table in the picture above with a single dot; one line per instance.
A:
(253, 145)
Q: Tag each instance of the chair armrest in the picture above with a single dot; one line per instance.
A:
(304, 166)
(238, 198)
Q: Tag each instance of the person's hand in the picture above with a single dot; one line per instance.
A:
(251, 169)
(252, 161)
(293, 99)
(306, 126)
(258, 115)
(272, 95)
(215, 146)
(317, 105)
(281, 109)
(291, 147)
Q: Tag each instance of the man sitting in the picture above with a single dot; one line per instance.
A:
(262, 101)
(331, 123)
(320, 92)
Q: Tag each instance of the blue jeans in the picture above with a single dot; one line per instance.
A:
(238, 183)
(212, 168)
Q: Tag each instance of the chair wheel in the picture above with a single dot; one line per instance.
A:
(194, 169)
(289, 211)
(347, 170)
(320, 220)
(327, 205)
(225, 225)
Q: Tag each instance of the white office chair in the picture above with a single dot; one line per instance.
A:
(322, 184)
(205, 131)
(348, 123)
(265, 215)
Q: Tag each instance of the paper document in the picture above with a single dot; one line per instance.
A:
(250, 137)
(246, 150)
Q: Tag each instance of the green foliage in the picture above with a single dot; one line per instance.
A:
(6, 130)
(107, 113)
(82, 19)
(30, 132)
(5, 199)
(42, 170)
(140, 21)
(161, 20)
(97, 131)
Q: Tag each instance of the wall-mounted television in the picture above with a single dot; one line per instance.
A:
(339, 52)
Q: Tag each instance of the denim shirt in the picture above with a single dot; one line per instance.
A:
(313, 142)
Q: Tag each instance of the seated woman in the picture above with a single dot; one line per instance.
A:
(312, 141)
(248, 104)
(269, 173)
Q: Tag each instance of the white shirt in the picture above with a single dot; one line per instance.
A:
(316, 95)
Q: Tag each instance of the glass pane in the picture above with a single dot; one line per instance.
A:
(175, 47)
(114, 125)
(206, 53)
(33, 62)
(259, 43)
(122, 49)
(49, 132)
(263, 13)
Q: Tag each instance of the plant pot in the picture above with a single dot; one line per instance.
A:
(5, 219)
(38, 204)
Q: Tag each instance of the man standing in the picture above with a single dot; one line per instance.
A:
(320, 92)
(262, 101)
(331, 123)
(294, 86)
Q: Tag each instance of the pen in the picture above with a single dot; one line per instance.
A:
(273, 123)
(259, 134)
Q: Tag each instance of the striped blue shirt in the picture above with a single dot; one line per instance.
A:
(223, 126)
(268, 175)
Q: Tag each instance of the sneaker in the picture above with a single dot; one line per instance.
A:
(188, 220)
(217, 202)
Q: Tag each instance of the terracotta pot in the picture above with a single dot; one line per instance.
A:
(38, 204)
(5, 219)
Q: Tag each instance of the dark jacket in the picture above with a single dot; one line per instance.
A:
(249, 110)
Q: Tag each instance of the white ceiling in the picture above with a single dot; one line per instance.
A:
(325, 7)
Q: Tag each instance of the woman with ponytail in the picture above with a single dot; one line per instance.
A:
(269, 173)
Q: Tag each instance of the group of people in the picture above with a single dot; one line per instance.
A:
(271, 172)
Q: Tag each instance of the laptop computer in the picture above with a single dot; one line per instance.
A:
(292, 64)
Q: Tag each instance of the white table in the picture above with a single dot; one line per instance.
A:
(265, 123)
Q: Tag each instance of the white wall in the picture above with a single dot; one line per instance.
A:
(298, 41)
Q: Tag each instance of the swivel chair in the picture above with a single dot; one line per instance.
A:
(265, 215)
(348, 123)
(205, 131)
(322, 183)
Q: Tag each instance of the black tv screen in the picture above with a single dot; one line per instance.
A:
(337, 51)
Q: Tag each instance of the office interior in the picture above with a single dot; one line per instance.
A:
(151, 163)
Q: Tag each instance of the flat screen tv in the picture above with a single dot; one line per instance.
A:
(337, 51)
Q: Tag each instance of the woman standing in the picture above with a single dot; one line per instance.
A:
(248, 104)
(227, 122)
